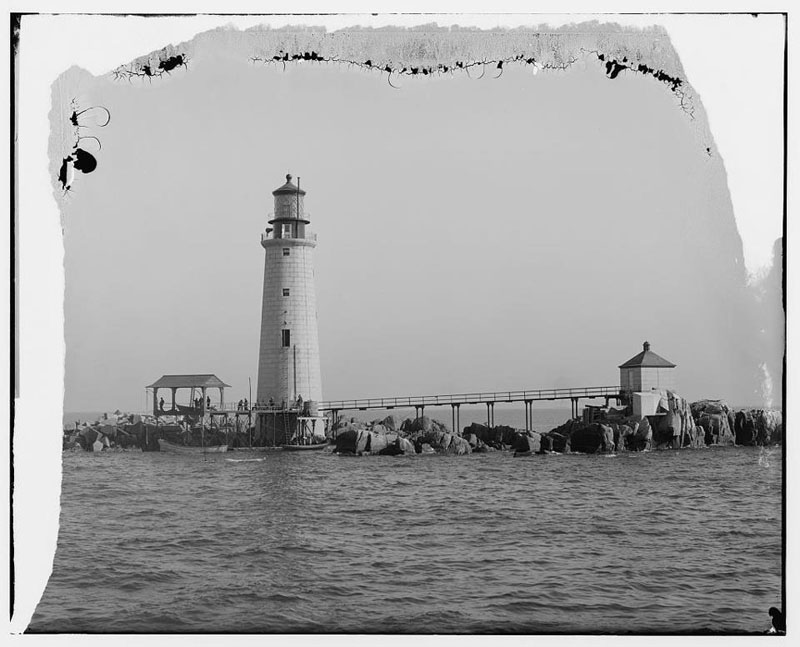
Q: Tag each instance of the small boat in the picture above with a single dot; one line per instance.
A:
(167, 446)
(303, 448)
(305, 437)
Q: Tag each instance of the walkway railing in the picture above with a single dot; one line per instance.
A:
(488, 397)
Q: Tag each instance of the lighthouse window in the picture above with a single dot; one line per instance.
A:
(286, 292)
(285, 338)
(285, 251)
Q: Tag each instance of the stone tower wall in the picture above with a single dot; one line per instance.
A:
(282, 368)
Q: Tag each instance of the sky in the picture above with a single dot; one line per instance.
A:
(515, 233)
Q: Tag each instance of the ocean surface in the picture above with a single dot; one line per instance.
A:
(669, 542)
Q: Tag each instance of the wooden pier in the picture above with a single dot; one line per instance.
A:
(489, 398)
(276, 425)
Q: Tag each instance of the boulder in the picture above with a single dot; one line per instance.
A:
(717, 429)
(589, 439)
(397, 447)
(376, 443)
(694, 437)
(481, 432)
(437, 439)
(90, 435)
(623, 437)
(423, 424)
(711, 407)
(642, 436)
(527, 444)
(379, 429)
(456, 446)
(346, 441)
(390, 422)
(504, 434)
(557, 442)
(608, 438)
(769, 427)
(481, 447)
(744, 429)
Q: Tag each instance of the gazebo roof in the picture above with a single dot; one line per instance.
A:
(188, 381)
(647, 359)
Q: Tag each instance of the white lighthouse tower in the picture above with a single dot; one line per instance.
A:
(288, 364)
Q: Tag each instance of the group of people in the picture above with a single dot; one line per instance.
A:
(242, 404)
(198, 402)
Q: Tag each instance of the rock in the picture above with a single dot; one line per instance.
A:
(769, 427)
(406, 446)
(423, 424)
(379, 429)
(346, 442)
(588, 439)
(437, 439)
(481, 432)
(744, 428)
(390, 422)
(694, 437)
(711, 407)
(377, 442)
(359, 441)
(456, 446)
(642, 436)
(527, 444)
(504, 434)
(392, 449)
(608, 438)
(717, 429)
(623, 437)
(90, 435)
(558, 442)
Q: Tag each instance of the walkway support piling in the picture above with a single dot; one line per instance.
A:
(456, 416)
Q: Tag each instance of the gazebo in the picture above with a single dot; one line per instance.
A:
(192, 382)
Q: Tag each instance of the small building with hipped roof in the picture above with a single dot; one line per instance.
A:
(197, 381)
(647, 371)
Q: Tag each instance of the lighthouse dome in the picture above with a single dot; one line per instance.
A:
(290, 187)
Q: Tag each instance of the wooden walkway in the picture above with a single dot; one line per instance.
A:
(454, 401)
(489, 398)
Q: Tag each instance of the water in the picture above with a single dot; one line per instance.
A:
(686, 541)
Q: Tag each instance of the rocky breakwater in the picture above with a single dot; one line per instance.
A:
(425, 435)
(389, 436)
(675, 424)
(115, 430)
(120, 430)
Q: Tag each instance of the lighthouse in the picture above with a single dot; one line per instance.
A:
(288, 363)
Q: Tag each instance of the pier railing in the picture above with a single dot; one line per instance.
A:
(488, 397)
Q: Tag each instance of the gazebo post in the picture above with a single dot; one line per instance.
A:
(155, 401)
(173, 389)
(222, 398)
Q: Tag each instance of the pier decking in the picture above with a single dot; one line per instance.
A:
(419, 402)
(489, 398)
